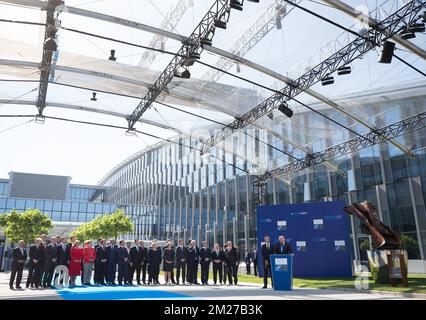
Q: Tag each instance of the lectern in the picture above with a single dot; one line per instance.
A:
(282, 271)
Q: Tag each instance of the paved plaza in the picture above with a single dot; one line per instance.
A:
(244, 291)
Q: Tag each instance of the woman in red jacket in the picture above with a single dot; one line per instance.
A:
(89, 257)
(76, 255)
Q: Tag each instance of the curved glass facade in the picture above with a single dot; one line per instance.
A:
(184, 194)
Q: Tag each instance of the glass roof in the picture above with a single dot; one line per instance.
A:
(210, 99)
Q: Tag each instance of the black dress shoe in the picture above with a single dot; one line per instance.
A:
(11, 288)
(264, 287)
(18, 287)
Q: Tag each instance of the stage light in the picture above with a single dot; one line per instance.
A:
(285, 110)
(386, 55)
(417, 27)
(235, 4)
(270, 115)
(112, 56)
(51, 31)
(191, 59)
(406, 34)
(220, 24)
(208, 39)
(50, 44)
(183, 73)
(238, 68)
(327, 81)
(39, 119)
(131, 132)
(424, 17)
(93, 96)
(344, 70)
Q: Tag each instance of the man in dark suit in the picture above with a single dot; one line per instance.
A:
(63, 255)
(181, 254)
(247, 260)
(111, 267)
(193, 260)
(144, 254)
(266, 259)
(36, 263)
(50, 261)
(135, 262)
(187, 267)
(101, 263)
(255, 260)
(232, 259)
(205, 258)
(282, 247)
(217, 257)
(123, 263)
(19, 256)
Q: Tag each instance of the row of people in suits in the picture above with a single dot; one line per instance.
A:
(44, 256)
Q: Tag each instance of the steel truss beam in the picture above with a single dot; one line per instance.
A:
(391, 131)
(191, 46)
(372, 23)
(407, 15)
(263, 25)
(169, 23)
(46, 62)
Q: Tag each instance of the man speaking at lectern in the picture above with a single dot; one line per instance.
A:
(282, 247)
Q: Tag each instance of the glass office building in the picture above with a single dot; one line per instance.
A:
(192, 196)
(83, 204)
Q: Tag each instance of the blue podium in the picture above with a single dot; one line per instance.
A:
(282, 271)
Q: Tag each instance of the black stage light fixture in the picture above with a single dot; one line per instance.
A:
(344, 70)
(285, 109)
(208, 39)
(220, 24)
(191, 58)
(238, 68)
(93, 98)
(51, 30)
(388, 47)
(50, 44)
(235, 4)
(417, 27)
(407, 34)
(112, 56)
(327, 81)
(183, 73)
(424, 17)
(270, 115)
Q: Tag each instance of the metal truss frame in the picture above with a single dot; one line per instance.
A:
(169, 23)
(391, 131)
(341, 6)
(191, 46)
(408, 14)
(46, 62)
(263, 25)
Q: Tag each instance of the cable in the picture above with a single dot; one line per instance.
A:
(16, 126)
(17, 115)
(13, 99)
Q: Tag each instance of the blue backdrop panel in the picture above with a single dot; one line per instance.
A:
(318, 233)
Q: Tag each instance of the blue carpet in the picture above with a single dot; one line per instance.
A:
(116, 293)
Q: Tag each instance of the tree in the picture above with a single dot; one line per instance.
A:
(26, 225)
(108, 226)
